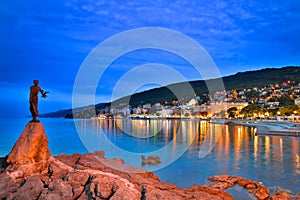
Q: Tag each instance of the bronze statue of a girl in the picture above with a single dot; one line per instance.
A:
(33, 101)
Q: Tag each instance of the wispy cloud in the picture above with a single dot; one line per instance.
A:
(50, 40)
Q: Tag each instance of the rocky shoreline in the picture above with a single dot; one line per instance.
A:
(86, 177)
(29, 172)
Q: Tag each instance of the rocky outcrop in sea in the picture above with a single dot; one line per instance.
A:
(29, 172)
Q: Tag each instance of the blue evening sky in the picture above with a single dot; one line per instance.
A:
(48, 40)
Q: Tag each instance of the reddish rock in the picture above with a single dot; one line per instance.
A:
(88, 161)
(223, 182)
(8, 186)
(109, 186)
(31, 147)
(77, 181)
(103, 186)
(99, 154)
(25, 170)
(220, 185)
(30, 188)
(71, 177)
(279, 195)
(71, 161)
(251, 186)
(262, 193)
(243, 182)
(119, 160)
(55, 171)
(78, 178)
(165, 186)
(57, 189)
(125, 194)
(151, 160)
(205, 192)
(219, 178)
(154, 194)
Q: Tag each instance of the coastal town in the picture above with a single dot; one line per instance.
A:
(273, 101)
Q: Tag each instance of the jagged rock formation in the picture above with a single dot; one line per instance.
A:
(31, 147)
(30, 153)
(88, 177)
(257, 190)
(92, 176)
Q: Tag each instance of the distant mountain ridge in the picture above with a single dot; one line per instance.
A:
(238, 81)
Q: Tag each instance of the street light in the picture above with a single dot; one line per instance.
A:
(295, 112)
(278, 116)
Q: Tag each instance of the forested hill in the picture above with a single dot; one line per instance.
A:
(241, 80)
(261, 78)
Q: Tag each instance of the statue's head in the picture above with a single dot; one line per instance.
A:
(36, 82)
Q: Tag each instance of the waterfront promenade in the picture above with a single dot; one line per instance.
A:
(269, 127)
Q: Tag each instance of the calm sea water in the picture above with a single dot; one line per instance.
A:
(191, 150)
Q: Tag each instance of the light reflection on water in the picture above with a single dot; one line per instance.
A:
(273, 160)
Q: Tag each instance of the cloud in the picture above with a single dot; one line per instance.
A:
(50, 40)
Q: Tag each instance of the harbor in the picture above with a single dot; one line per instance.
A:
(268, 127)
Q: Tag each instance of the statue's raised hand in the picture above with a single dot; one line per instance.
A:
(44, 95)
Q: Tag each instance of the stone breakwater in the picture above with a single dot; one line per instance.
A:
(37, 175)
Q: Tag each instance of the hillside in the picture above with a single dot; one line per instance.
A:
(241, 80)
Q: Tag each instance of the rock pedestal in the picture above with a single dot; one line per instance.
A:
(31, 147)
